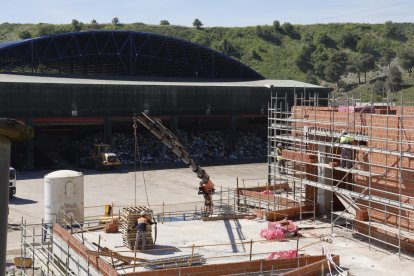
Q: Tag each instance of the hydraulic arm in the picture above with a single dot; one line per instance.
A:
(171, 141)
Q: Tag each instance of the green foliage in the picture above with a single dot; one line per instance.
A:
(366, 45)
(406, 58)
(391, 31)
(115, 21)
(276, 26)
(394, 79)
(325, 40)
(380, 88)
(336, 67)
(303, 61)
(197, 23)
(387, 55)
(25, 34)
(255, 55)
(164, 23)
(311, 78)
(270, 49)
(290, 30)
(76, 25)
(349, 40)
(366, 64)
(46, 29)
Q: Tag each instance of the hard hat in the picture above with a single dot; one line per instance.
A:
(279, 144)
(143, 213)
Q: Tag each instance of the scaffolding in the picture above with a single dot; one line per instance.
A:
(376, 182)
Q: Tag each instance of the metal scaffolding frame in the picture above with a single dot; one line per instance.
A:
(310, 135)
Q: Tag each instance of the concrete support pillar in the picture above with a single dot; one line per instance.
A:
(9, 130)
(30, 148)
(4, 198)
(108, 130)
(324, 197)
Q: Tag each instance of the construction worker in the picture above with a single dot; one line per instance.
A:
(346, 153)
(281, 162)
(142, 230)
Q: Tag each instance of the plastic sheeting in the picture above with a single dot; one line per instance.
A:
(279, 230)
(272, 235)
(287, 226)
(282, 255)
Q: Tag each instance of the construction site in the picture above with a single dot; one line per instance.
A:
(335, 196)
(315, 208)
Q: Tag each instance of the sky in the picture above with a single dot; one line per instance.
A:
(210, 12)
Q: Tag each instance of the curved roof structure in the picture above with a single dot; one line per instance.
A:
(120, 53)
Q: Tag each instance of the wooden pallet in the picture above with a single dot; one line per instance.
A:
(129, 216)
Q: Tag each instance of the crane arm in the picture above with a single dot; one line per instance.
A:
(163, 134)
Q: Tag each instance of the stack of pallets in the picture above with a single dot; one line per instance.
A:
(128, 220)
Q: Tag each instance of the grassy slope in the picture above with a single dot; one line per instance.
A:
(273, 58)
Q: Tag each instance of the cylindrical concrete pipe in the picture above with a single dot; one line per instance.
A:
(9, 130)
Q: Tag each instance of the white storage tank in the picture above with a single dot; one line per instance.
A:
(64, 192)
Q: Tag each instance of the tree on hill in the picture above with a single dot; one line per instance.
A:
(197, 23)
(406, 59)
(311, 78)
(366, 45)
(336, 67)
(94, 22)
(276, 25)
(259, 31)
(76, 25)
(25, 34)
(304, 61)
(387, 55)
(354, 66)
(380, 88)
(290, 30)
(348, 40)
(367, 63)
(115, 21)
(164, 22)
(46, 30)
(361, 63)
(325, 40)
(394, 79)
(391, 31)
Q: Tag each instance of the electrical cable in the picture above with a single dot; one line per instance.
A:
(143, 176)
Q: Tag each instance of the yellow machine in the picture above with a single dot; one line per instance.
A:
(102, 158)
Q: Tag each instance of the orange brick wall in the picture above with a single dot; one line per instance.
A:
(394, 180)
(234, 268)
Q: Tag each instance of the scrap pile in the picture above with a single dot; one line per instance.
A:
(128, 221)
(202, 145)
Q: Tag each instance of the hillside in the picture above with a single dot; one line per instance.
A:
(286, 51)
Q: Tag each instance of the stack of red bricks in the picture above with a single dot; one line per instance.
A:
(112, 227)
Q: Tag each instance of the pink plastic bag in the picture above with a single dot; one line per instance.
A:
(272, 235)
(267, 192)
(282, 255)
(277, 225)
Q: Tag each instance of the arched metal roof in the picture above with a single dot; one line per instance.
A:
(120, 53)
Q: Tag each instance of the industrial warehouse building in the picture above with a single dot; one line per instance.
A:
(69, 85)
